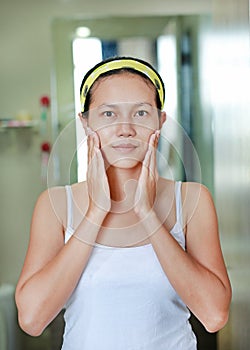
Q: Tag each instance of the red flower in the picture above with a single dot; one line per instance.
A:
(45, 147)
(45, 101)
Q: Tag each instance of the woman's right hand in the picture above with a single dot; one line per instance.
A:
(97, 181)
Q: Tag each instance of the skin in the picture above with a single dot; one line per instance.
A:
(123, 190)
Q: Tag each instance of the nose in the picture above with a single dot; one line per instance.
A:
(126, 129)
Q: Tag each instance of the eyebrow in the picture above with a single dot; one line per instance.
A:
(115, 105)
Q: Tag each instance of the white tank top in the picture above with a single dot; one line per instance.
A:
(124, 300)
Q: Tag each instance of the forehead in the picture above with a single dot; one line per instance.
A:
(123, 87)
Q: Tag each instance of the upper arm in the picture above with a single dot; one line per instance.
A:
(46, 233)
(202, 234)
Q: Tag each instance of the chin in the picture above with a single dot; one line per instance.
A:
(123, 163)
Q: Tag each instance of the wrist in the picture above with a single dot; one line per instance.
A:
(144, 213)
(95, 215)
(89, 228)
(151, 222)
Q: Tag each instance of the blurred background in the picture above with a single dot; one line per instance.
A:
(201, 48)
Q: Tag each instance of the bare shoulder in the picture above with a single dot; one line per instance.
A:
(80, 200)
(79, 189)
(52, 203)
(197, 200)
(192, 192)
(199, 212)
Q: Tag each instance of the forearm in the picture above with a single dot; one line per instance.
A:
(200, 289)
(44, 294)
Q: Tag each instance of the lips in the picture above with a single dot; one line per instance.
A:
(125, 147)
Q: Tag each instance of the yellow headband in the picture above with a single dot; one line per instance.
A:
(119, 64)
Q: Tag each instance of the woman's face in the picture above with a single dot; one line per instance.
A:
(123, 112)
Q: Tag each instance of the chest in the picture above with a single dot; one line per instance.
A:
(127, 230)
(122, 230)
(121, 226)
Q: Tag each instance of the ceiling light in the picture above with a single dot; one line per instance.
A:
(83, 32)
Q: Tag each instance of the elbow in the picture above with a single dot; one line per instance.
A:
(217, 316)
(30, 326)
(28, 319)
(216, 322)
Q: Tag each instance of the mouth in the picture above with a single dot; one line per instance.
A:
(124, 147)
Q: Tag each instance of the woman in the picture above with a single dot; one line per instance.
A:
(126, 253)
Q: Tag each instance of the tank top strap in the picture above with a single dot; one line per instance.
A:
(178, 202)
(69, 197)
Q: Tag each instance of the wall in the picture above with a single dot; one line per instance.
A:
(230, 73)
(19, 187)
(26, 74)
(196, 116)
(26, 50)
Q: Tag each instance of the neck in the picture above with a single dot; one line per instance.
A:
(123, 184)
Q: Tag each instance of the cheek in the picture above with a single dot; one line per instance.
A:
(105, 136)
(149, 126)
(144, 133)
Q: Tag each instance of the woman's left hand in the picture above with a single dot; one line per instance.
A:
(147, 183)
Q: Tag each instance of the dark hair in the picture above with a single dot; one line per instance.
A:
(108, 73)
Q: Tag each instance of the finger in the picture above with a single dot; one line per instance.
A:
(90, 148)
(146, 160)
(153, 172)
(99, 157)
(149, 162)
(145, 166)
(153, 157)
(152, 160)
(147, 157)
(100, 167)
(96, 139)
(151, 142)
(157, 134)
(93, 171)
(93, 141)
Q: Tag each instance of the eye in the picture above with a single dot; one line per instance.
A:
(109, 114)
(141, 113)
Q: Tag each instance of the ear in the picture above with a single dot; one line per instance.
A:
(84, 122)
(163, 118)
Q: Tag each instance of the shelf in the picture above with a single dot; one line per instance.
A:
(17, 124)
